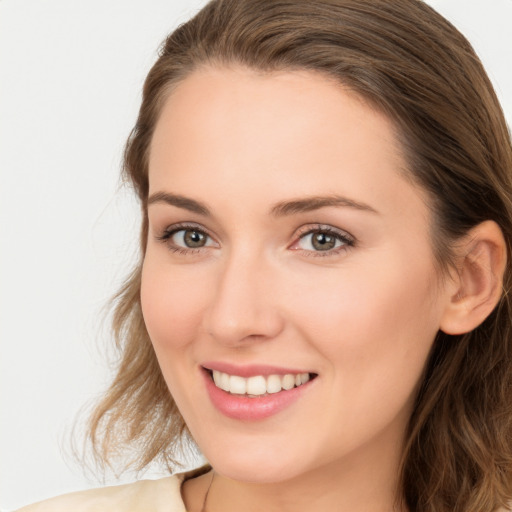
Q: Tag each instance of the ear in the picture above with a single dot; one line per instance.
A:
(479, 281)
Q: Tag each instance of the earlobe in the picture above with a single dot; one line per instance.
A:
(479, 281)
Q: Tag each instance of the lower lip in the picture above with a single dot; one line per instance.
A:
(252, 409)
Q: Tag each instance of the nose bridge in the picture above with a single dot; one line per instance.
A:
(240, 308)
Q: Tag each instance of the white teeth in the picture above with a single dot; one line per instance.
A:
(224, 381)
(274, 384)
(237, 385)
(258, 385)
(288, 381)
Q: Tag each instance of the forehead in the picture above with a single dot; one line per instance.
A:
(279, 104)
(294, 132)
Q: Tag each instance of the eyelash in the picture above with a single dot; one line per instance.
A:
(346, 239)
(171, 231)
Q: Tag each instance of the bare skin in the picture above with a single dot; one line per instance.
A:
(193, 492)
(252, 154)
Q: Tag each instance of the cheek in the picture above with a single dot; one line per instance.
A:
(172, 304)
(374, 332)
(356, 305)
(374, 328)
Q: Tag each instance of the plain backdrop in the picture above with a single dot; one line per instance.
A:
(70, 79)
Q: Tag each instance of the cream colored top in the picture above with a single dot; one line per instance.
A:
(162, 495)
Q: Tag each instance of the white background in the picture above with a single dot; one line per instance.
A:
(70, 78)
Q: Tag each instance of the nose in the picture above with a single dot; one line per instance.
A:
(244, 306)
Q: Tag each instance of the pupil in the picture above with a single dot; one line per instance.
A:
(194, 239)
(323, 242)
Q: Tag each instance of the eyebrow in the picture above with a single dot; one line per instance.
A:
(281, 209)
(179, 201)
(309, 204)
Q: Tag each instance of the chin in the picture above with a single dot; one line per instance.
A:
(264, 463)
(248, 471)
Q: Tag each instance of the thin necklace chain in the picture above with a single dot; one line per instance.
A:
(203, 508)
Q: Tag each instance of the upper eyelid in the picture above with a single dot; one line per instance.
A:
(313, 228)
(179, 226)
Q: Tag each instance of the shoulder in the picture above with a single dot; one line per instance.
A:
(162, 495)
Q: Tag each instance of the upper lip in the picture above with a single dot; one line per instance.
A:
(250, 370)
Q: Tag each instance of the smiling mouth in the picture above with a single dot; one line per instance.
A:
(258, 385)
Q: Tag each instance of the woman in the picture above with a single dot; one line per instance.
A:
(321, 303)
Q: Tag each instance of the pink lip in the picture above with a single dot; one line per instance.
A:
(244, 408)
(250, 370)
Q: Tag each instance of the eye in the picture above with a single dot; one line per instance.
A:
(189, 238)
(323, 239)
(186, 238)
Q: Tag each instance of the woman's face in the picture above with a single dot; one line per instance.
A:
(284, 239)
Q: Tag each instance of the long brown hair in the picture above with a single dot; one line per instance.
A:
(413, 65)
